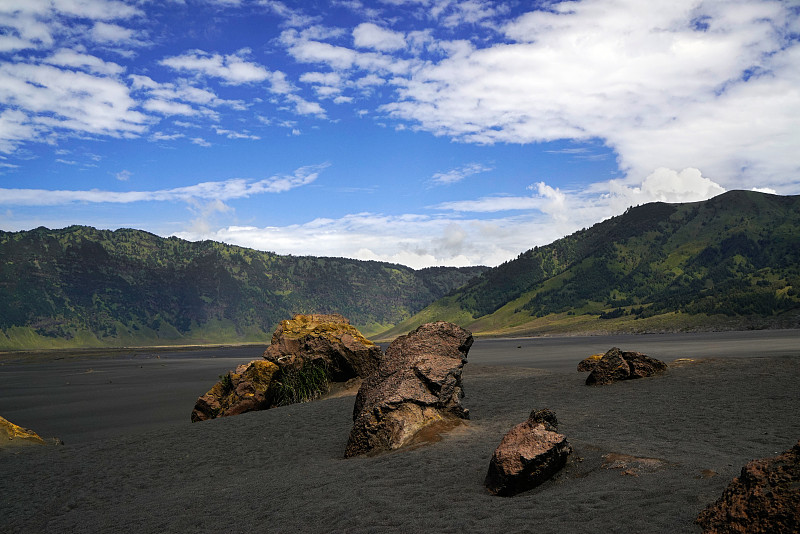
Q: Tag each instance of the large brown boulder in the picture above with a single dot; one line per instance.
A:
(328, 341)
(244, 390)
(621, 365)
(764, 498)
(529, 454)
(417, 386)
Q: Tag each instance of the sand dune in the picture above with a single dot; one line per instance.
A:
(649, 454)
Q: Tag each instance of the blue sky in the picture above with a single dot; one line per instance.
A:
(423, 132)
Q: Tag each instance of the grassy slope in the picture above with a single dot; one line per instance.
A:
(727, 263)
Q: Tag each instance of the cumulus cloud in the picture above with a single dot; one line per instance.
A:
(369, 35)
(667, 185)
(414, 240)
(114, 34)
(232, 68)
(659, 88)
(48, 99)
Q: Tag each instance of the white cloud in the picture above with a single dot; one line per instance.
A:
(369, 35)
(369, 80)
(417, 241)
(123, 176)
(645, 79)
(232, 68)
(161, 136)
(304, 107)
(15, 127)
(230, 134)
(166, 107)
(458, 174)
(205, 191)
(65, 57)
(307, 50)
(114, 34)
(33, 24)
(292, 17)
(667, 185)
(767, 190)
(49, 99)
(199, 141)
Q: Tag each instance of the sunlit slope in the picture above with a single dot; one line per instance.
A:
(729, 262)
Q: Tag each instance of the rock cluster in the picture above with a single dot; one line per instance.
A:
(529, 454)
(764, 498)
(417, 386)
(620, 365)
(306, 353)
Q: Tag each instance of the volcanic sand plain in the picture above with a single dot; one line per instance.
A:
(648, 454)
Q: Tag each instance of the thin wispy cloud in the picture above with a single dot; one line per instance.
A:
(222, 191)
(456, 175)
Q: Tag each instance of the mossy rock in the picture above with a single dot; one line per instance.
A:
(588, 364)
(11, 434)
(330, 326)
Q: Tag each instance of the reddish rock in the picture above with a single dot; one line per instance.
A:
(529, 454)
(417, 386)
(244, 390)
(763, 499)
(325, 340)
(621, 365)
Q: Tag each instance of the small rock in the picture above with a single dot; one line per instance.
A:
(763, 499)
(621, 365)
(529, 454)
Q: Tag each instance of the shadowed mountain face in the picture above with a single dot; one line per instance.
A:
(80, 286)
(729, 262)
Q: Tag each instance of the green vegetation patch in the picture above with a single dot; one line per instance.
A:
(309, 382)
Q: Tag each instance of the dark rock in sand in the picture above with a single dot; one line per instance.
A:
(13, 435)
(243, 390)
(417, 386)
(764, 498)
(529, 454)
(329, 341)
(622, 365)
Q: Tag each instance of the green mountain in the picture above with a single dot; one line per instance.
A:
(82, 287)
(730, 262)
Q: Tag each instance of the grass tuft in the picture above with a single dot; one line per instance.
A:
(309, 382)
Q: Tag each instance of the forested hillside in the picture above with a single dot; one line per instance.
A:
(730, 262)
(80, 286)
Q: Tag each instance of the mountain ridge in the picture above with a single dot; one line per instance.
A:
(83, 287)
(725, 263)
